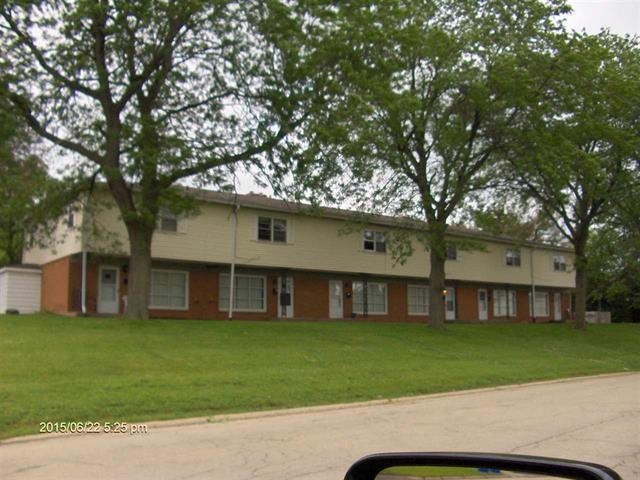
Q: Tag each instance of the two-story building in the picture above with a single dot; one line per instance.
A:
(287, 262)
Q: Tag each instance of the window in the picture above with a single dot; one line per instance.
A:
(452, 251)
(169, 289)
(374, 241)
(504, 303)
(541, 305)
(559, 263)
(512, 257)
(249, 294)
(418, 299)
(376, 298)
(167, 221)
(70, 220)
(272, 229)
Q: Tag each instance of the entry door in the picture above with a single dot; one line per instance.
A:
(557, 307)
(285, 297)
(483, 307)
(451, 304)
(108, 290)
(336, 306)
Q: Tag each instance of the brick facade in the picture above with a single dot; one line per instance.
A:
(61, 293)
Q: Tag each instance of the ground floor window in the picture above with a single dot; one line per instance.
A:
(169, 289)
(418, 299)
(249, 294)
(376, 298)
(541, 305)
(504, 303)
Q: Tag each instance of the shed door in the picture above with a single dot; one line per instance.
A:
(108, 290)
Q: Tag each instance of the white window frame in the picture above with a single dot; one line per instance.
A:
(513, 253)
(511, 300)
(561, 262)
(413, 312)
(546, 312)
(186, 290)
(375, 241)
(235, 295)
(272, 229)
(369, 312)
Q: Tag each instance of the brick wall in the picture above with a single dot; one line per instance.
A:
(56, 291)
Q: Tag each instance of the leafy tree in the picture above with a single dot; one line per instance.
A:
(147, 94)
(430, 89)
(575, 152)
(613, 270)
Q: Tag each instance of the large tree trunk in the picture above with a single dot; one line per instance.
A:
(581, 283)
(139, 283)
(437, 249)
(436, 288)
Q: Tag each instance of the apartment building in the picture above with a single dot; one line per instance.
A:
(286, 261)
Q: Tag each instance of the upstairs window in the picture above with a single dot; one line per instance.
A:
(374, 241)
(272, 229)
(512, 257)
(452, 251)
(167, 221)
(71, 221)
(559, 263)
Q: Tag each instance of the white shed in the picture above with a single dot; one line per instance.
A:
(20, 289)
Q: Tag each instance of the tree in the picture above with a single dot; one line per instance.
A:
(613, 270)
(575, 151)
(431, 86)
(147, 94)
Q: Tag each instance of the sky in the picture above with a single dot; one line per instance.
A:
(620, 16)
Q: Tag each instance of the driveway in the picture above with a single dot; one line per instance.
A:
(595, 419)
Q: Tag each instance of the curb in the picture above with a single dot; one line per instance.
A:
(233, 417)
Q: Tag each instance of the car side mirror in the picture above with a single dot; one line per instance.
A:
(472, 466)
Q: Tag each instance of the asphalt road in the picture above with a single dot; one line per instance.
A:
(594, 419)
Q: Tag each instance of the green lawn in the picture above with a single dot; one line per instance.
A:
(85, 369)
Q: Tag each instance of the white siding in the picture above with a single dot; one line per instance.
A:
(20, 290)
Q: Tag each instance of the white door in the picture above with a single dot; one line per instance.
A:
(483, 307)
(450, 305)
(108, 290)
(557, 307)
(336, 308)
(285, 297)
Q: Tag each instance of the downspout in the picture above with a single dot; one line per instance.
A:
(533, 287)
(83, 287)
(232, 278)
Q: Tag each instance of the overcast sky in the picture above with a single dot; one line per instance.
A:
(620, 16)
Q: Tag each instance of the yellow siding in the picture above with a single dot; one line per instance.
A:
(316, 244)
(64, 241)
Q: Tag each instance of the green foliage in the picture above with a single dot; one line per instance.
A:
(80, 369)
(148, 94)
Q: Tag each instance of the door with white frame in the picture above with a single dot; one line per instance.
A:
(336, 304)
(285, 297)
(450, 304)
(483, 304)
(108, 282)
(557, 307)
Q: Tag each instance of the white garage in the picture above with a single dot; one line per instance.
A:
(20, 289)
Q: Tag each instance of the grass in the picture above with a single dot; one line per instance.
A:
(62, 369)
(437, 472)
